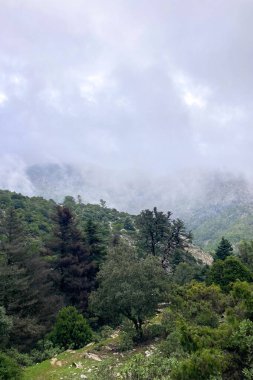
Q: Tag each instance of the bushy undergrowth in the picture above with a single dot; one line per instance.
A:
(71, 329)
(9, 369)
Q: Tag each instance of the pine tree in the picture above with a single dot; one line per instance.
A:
(72, 263)
(25, 288)
(97, 251)
(224, 249)
(161, 236)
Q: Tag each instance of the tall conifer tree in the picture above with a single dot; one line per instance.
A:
(72, 262)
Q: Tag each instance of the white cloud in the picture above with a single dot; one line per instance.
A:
(224, 115)
(192, 100)
(92, 86)
(192, 93)
(13, 175)
(3, 98)
(52, 98)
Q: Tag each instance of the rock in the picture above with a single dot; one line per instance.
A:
(115, 334)
(90, 355)
(56, 362)
(90, 344)
(199, 254)
(77, 365)
(83, 377)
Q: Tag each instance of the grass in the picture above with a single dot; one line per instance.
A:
(48, 370)
(107, 350)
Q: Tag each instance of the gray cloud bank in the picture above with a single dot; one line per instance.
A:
(127, 91)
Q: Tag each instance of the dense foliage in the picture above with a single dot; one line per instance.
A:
(66, 267)
(71, 330)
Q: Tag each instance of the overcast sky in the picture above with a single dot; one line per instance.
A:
(156, 86)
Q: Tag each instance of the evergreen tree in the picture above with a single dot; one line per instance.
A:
(74, 270)
(161, 236)
(224, 249)
(96, 249)
(25, 288)
(152, 227)
(94, 240)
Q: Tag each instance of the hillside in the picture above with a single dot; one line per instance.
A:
(212, 203)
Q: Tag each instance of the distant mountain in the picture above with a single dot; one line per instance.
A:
(211, 203)
(225, 208)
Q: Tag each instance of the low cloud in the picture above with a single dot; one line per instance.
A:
(156, 87)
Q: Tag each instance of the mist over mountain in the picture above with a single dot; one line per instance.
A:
(134, 192)
(211, 203)
(151, 105)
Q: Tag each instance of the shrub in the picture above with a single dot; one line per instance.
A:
(226, 272)
(9, 369)
(127, 336)
(154, 330)
(45, 349)
(126, 342)
(140, 367)
(106, 332)
(202, 365)
(172, 346)
(71, 329)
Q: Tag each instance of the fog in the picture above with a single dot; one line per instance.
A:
(141, 99)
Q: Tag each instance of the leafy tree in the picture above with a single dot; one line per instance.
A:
(242, 344)
(224, 249)
(69, 202)
(128, 224)
(71, 329)
(225, 272)
(246, 253)
(9, 369)
(184, 273)
(129, 287)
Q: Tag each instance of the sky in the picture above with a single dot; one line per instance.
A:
(152, 87)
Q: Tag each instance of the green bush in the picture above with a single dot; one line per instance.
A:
(225, 272)
(71, 329)
(172, 346)
(106, 332)
(127, 336)
(140, 367)
(125, 342)
(154, 330)
(45, 349)
(202, 365)
(9, 369)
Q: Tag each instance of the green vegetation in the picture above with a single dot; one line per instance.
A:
(71, 330)
(121, 294)
(9, 369)
(223, 250)
(129, 286)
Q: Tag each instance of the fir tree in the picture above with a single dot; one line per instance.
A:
(25, 288)
(224, 249)
(73, 266)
